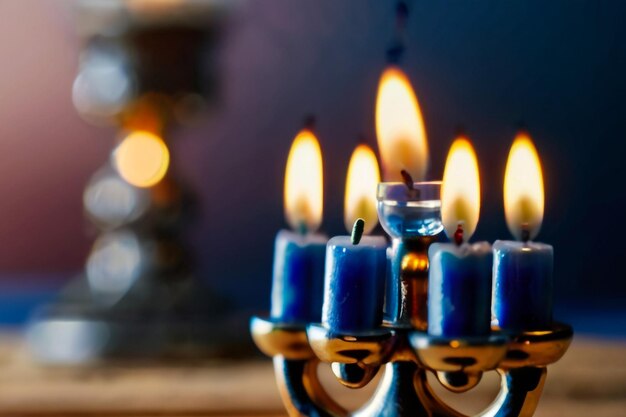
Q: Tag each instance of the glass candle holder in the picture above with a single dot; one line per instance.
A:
(412, 217)
(410, 213)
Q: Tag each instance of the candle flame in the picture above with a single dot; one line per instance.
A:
(523, 189)
(400, 127)
(361, 182)
(304, 183)
(460, 191)
(142, 159)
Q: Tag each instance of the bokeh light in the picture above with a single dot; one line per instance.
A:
(142, 159)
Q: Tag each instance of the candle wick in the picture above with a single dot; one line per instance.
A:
(302, 228)
(458, 235)
(525, 233)
(414, 193)
(357, 231)
(407, 179)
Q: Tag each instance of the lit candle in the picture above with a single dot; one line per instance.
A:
(459, 286)
(522, 288)
(356, 265)
(409, 211)
(298, 278)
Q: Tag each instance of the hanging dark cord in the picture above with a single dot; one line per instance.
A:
(395, 51)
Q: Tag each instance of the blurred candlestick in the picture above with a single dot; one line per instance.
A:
(459, 287)
(298, 277)
(522, 288)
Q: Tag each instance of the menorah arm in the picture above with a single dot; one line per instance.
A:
(301, 391)
(524, 371)
(428, 397)
(295, 367)
(518, 397)
(520, 391)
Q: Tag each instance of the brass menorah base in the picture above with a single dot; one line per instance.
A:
(407, 355)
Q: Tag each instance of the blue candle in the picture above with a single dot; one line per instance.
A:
(459, 277)
(298, 278)
(354, 283)
(459, 289)
(522, 287)
(356, 266)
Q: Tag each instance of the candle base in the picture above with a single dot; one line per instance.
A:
(407, 355)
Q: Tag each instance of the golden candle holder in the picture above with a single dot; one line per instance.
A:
(407, 356)
(407, 352)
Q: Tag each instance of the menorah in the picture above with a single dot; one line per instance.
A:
(403, 346)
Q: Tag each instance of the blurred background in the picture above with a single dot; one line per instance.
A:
(556, 68)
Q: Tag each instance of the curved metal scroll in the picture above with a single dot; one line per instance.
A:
(403, 391)
(301, 391)
(519, 395)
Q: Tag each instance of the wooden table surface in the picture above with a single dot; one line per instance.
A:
(589, 381)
